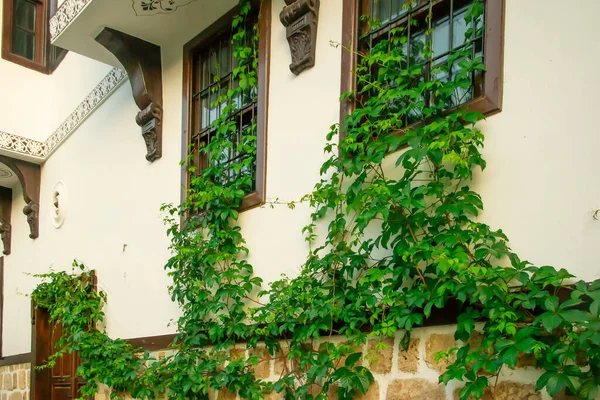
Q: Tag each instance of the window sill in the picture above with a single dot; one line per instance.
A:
(24, 62)
(251, 201)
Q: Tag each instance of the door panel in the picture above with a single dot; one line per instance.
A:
(62, 393)
(59, 382)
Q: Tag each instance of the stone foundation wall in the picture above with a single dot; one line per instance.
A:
(413, 374)
(401, 375)
(15, 382)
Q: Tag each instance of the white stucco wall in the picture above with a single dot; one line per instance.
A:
(540, 184)
(34, 104)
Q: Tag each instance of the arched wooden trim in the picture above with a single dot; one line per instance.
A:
(5, 224)
(29, 176)
(142, 61)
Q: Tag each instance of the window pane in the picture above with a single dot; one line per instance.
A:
(24, 44)
(214, 106)
(213, 70)
(441, 36)
(417, 44)
(382, 10)
(204, 72)
(398, 8)
(205, 112)
(223, 98)
(24, 15)
(459, 27)
(224, 59)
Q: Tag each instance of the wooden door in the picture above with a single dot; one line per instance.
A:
(64, 383)
(60, 381)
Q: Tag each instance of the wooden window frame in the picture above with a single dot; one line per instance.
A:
(490, 101)
(258, 196)
(47, 57)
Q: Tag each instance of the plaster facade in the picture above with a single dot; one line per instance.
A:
(540, 186)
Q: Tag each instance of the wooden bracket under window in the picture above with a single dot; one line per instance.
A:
(29, 176)
(301, 17)
(142, 62)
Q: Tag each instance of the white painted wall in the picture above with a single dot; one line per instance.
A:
(540, 185)
(34, 104)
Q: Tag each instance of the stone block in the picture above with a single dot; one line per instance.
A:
(514, 391)
(408, 361)
(355, 349)
(274, 396)
(22, 379)
(525, 360)
(237, 354)
(372, 393)
(415, 389)
(380, 361)
(15, 396)
(509, 391)
(262, 370)
(225, 394)
(282, 365)
(8, 382)
(436, 343)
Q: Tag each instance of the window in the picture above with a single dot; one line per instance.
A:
(481, 37)
(208, 67)
(26, 37)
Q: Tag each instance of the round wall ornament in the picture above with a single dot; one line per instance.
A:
(59, 204)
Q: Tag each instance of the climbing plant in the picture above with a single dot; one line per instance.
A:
(394, 236)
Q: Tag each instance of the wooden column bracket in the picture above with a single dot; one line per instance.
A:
(142, 61)
(5, 211)
(301, 18)
(29, 176)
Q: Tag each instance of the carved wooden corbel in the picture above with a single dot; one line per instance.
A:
(5, 211)
(301, 17)
(142, 62)
(29, 176)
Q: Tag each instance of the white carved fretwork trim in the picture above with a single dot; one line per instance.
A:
(65, 14)
(40, 151)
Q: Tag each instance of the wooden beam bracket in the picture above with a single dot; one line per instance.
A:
(301, 18)
(142, 61)
(29, 176)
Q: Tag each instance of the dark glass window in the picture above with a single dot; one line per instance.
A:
(209, 65)
(212, 78)
(370, 23)
(25, 35)
(24, 29)
(457, 26)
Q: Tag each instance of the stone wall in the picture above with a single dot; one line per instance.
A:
(14, 382)
(413, 374)
(400, 375)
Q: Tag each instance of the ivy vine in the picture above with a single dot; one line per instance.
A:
(401, 239)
